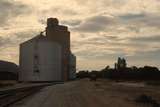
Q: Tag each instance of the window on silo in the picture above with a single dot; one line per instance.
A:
(36, 60)
(36, 64)
(36, 57)
(37, 71)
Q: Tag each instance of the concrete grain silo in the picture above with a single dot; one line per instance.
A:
(46, 57)
(72, 67)
(61, 35)
(40, 60)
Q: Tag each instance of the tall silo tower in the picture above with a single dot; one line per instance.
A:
(61, 35)
(47, 57)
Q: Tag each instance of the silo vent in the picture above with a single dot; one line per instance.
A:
(51, 22)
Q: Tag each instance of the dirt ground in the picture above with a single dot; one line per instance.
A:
(85, 93)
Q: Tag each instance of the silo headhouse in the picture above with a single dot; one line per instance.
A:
(47, 57)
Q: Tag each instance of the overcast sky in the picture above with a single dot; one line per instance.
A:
(101, 30)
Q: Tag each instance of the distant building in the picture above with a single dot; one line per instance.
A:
(47, 57)
(121, 63)
(8, 70)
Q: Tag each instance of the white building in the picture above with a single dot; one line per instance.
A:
(47, 58)
(40, 60)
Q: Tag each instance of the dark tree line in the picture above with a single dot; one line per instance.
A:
(132, 73)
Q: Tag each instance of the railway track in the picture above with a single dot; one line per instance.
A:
(11, 96)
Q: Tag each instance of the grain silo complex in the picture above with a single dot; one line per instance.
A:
(47, 57)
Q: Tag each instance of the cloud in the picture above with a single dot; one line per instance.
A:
(150, 55)
(95, 24)
(71, 23)
(9, 45)
(132, 16)
(105, 46)
(143, 18)
(3, 41)
(10, 9)
(148, 39)
(145, 58)
(100, 30)
(14, 39)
